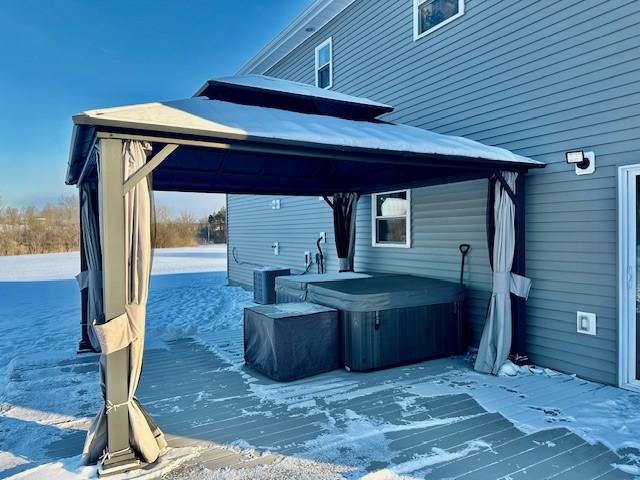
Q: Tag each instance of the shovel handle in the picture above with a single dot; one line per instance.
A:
(464, 249)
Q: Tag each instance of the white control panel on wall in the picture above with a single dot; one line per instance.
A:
(586, 323)
(276, 248)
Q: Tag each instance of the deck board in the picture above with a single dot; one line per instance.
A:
(205, 396)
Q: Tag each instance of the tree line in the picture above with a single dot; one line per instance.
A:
(56, 228)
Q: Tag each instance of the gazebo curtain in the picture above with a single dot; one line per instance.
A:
(127, 330)
(344, 226)
(495, 343)
(91, 279)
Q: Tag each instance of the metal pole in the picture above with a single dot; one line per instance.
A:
(518, 304)
(120, 456)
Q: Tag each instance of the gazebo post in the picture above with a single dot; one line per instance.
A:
(519, 305)
(85, 344)
(112, 220)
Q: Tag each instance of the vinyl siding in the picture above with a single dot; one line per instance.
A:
(536, 77)
(254, 226)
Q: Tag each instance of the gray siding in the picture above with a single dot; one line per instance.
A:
(538, 78)
(254, 226)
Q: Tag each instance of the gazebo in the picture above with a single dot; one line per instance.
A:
(257, 135)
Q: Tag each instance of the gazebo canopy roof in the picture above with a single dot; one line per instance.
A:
(260, 135)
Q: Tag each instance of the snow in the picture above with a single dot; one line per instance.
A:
(439, 455)
(264, 82)
(64, 266)
(535, 399)
(46, 390)
(206, 117)
(71, 469)
(288, 468)
(48, 393)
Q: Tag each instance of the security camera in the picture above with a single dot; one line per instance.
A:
(585, 162)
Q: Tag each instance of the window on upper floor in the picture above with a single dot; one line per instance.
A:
(429, 15)
(391, 219)
(324, 64)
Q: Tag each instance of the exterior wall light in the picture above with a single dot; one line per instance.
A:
(585, 162)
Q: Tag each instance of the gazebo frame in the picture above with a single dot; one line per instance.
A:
(95, 144)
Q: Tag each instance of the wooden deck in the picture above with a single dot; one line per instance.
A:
(205, 397)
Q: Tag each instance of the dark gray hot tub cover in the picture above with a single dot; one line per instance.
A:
(288, 341)
(384, 293)
(296, 286)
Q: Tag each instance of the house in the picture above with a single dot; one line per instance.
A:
(542, 79)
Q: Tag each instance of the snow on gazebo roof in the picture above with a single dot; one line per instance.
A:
(272, 84)
(239, 122)
(263, 91)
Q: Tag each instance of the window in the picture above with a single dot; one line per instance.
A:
(429, 15)
(391, 219)
(324, 64)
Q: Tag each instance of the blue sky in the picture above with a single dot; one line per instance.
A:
(60, 58)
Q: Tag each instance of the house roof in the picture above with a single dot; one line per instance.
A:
(300, 152)
(316, 16)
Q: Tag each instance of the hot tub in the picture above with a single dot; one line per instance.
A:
(294, 288)
(394, 319)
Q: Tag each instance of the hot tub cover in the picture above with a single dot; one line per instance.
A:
(291, 340)
(296, 286)
(384, 293)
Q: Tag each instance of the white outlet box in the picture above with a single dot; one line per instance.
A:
(586, 323)
(323, 236)
(276, 248)
(307, 259)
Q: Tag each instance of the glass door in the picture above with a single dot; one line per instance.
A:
(636, 247)
(628, 275)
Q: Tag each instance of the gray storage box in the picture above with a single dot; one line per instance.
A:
(264, 283)
(394, 320)
(291, 340)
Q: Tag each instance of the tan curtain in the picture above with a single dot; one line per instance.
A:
(496, 337)
(128, 329)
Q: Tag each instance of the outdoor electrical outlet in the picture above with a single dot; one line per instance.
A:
(323, 236)
(307, 259)
(586, 323)
(276, 248)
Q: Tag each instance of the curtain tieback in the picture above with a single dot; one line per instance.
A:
(508, 282)
(114, 334)
(111, 407)
(344, 264)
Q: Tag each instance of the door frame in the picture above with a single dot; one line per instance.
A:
(627, 281)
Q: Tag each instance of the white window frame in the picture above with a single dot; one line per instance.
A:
(374, 217)
(416, 20)
(328, 41)
(627, 281)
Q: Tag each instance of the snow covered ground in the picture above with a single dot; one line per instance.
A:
(46, 390)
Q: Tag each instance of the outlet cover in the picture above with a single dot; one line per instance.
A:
(586, 323)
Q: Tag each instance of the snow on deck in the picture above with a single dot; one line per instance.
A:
(438, 419)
